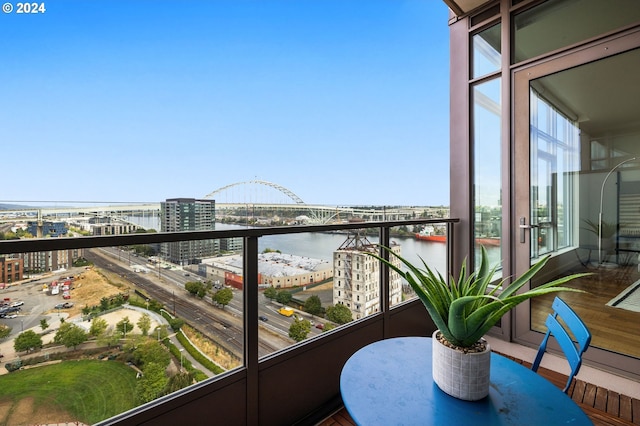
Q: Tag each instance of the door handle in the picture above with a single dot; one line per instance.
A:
(523, 227)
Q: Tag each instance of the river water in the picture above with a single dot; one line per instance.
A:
(322, 246)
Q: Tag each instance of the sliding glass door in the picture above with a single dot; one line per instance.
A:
(577, 189)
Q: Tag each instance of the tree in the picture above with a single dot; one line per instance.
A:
(196, 288)
(178, 381)
(155, 305)
(5, 331)
(98, 327)
(176, 323)
(144, 324)
(104, 304)
(284, 297)
(27, 341)
(44, 324)
(150, 351)
(271, 293)
(313, 305)
(124, 326)
(299, 329)
(223, 297)
(152, 383)
(109, 337)
(339, 314)
(70, 335)
(192, 287)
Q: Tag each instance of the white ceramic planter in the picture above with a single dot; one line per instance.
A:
(461, 375)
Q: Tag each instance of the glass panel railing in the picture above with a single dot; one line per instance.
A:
(166, 326)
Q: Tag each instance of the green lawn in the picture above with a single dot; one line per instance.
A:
(88, 389)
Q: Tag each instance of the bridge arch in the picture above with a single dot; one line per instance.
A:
(280, 188)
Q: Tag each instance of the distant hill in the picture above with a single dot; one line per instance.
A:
(12, 206)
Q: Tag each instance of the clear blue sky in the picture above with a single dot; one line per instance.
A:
(343, 102)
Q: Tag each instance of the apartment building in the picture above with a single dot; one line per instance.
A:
(188, 214)
(47, 261)
(11, 270)
(42, 229)
(356, 282)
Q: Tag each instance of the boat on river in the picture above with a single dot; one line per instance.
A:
(429, 233)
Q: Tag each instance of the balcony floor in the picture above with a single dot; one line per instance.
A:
(603, 407)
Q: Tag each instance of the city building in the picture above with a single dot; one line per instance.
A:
(230, 245)
(188, 214)
(11, 270)
(356, 282)
(42, 229)
(279, 270)
(47, 261)
(113, 229)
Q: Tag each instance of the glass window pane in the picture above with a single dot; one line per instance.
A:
(487, 175)
(559, 23)
(585, 193)
(486, 51)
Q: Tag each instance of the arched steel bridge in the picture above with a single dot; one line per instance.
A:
(280, 188)
(320, 214)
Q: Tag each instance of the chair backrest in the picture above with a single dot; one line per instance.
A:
(579, 330)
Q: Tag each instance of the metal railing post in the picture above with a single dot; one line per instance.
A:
(251, 354)
(384, 280)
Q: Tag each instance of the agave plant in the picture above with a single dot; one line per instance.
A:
(465, 309)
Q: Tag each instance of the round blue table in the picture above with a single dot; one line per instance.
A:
(389, 382)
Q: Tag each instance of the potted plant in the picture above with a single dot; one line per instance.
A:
(464, 310)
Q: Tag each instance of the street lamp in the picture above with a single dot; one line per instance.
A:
(124, 328)
(158, 328)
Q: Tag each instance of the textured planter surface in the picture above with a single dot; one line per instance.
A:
(461, 375)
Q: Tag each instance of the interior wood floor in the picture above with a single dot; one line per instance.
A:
(613, 329)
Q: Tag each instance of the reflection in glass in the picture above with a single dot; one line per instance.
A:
(585, 193)
(559, 23)
(555, 152)
(486, 51)
(487, 176)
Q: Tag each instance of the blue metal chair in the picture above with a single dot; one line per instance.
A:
(562, 336)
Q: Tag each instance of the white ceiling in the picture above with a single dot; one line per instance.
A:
(604, 96)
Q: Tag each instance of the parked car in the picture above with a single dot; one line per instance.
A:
(320, 326)
(11, 316)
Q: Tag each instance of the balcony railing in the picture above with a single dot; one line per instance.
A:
(289, 386)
